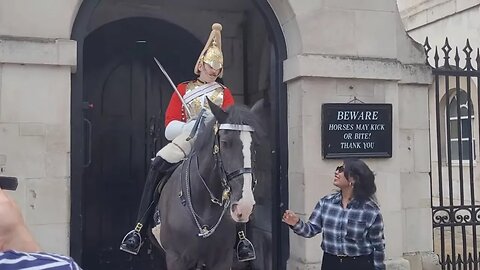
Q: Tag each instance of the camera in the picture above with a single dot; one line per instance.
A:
(8, 183)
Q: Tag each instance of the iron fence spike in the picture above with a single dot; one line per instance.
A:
(478, 59)
(468, 59)
(426, 49)
(446, 51)
(459, 259)
(436, 57)
(457, 58)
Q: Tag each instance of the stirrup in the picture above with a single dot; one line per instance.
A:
(132, 242)
(245, 249)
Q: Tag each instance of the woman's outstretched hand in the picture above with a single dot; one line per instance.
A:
(290, 217)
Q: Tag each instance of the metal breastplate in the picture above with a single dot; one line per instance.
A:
(196, 105)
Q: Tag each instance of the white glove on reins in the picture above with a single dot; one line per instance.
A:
(178, 149)
(175, 128)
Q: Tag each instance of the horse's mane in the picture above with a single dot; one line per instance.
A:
(237, 114)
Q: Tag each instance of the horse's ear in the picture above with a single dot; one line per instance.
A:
(219, 114)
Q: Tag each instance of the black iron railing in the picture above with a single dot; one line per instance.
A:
(455, 207)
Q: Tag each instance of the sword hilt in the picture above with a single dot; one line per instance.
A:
(197, 124)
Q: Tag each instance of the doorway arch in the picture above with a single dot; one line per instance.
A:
(82, 29)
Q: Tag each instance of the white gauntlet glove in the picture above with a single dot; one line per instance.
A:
(176, 127)
(187, 128)
(178, 149)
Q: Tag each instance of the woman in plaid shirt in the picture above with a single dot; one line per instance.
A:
(349, 219)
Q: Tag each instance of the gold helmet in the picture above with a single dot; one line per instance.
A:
(212, 52)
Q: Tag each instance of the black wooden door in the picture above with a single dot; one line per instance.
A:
(124, 130)
(125, 97)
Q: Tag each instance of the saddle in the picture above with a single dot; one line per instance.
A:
(165, 176)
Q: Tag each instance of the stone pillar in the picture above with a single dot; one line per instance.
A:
(36, 61)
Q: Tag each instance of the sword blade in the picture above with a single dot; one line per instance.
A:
(173, 85)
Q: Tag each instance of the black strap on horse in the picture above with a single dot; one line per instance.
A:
(204, 230)
(244, 247)
(224, 175)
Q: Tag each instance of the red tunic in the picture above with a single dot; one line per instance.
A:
(175, 110)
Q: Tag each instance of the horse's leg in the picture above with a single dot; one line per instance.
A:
(174, 262)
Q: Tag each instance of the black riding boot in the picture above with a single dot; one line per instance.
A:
(245, 249)
(133, 240)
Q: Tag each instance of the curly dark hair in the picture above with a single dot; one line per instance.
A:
(364, 187)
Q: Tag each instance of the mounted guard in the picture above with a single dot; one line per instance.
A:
(187, 104)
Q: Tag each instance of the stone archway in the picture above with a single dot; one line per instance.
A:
(267, 74)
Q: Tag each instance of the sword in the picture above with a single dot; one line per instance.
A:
(200, 119)
(173, 85)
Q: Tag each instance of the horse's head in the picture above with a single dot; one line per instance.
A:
(234, 150)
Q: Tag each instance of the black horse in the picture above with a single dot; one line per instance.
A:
(210, 192)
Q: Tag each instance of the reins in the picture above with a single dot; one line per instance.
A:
(225, 178)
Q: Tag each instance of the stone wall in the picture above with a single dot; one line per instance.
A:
(35, 132)
(439, 19)
(373, 60)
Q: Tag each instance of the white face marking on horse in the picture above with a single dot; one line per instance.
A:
(245, 205)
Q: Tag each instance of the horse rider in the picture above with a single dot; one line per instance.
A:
(179, 122)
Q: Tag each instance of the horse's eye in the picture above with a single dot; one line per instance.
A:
(224, 143)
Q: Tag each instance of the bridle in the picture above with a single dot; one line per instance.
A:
(225, 178)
